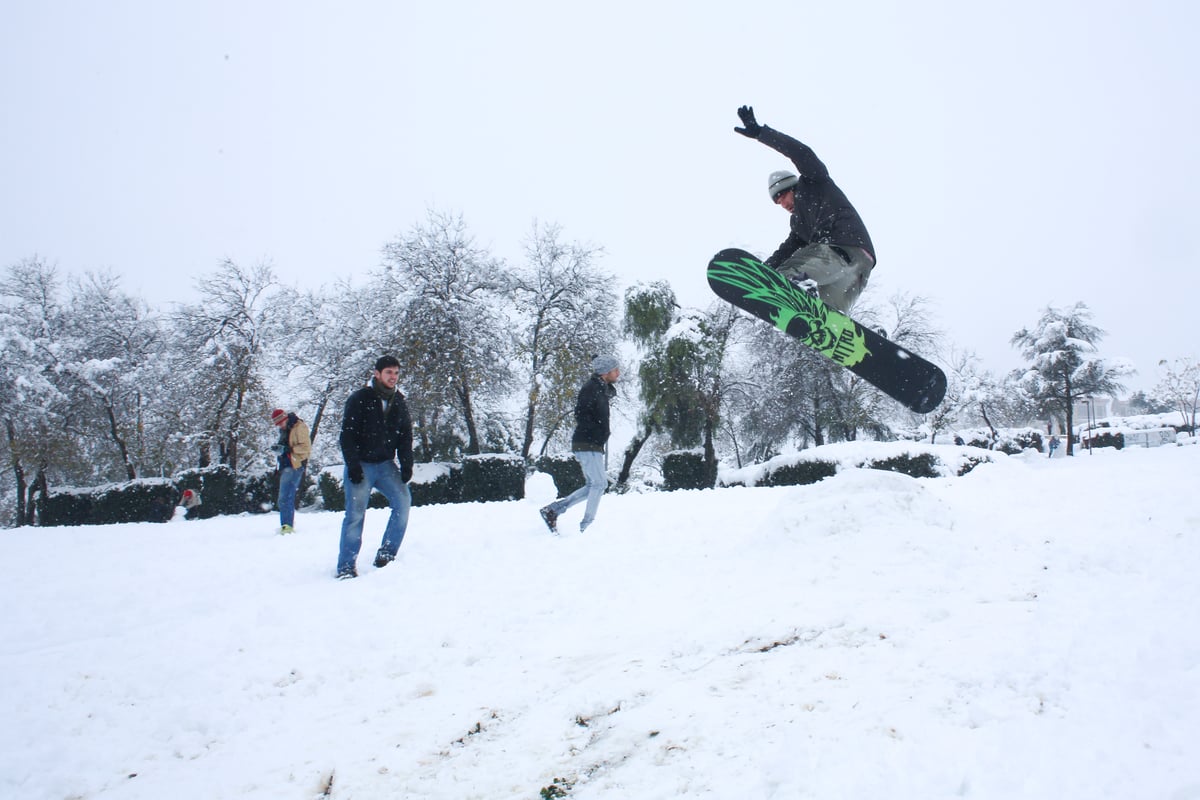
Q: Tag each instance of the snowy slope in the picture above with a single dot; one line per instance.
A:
(1025, 631)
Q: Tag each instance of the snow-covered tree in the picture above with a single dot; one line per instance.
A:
(218, 375)
(1180, 388)
(329, 340)
(1064, 367)
(454, 349)
(650, 308)
(566, 313)
(32, 403)
(113, 367)
(683, 378)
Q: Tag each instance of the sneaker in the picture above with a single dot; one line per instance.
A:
(286, 529)
(346, 574)
(551, 518)
(382, 558)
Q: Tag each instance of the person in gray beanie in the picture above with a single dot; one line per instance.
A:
(588, 442)
(828, 248)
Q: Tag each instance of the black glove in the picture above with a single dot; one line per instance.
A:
(406, 474)
(355, 473)
(752, 129)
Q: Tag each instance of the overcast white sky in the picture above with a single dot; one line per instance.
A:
(1037, 152)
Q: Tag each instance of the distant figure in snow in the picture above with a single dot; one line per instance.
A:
(1053, 446)
(588, 442)
(193, 506)
(291, 454)
(828, 248)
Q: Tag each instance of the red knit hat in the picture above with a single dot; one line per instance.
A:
(278, 416)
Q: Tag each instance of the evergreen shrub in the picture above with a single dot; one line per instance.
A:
(971, 463)
(63, 508)
(218, 488)
(333, 494)
(445, 488)
(564, 470)
(799, 473)
(922, 465)
(685, 469)
(491, 477)
(333, 498)
(147, 500)
(261, 489)
(1108, 439)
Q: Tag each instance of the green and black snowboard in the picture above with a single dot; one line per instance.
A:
(741, 279)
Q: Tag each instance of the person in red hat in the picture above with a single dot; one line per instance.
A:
(292, 453)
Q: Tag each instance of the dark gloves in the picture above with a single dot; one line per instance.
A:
(405, 473)
(355, 473)
(752, 129)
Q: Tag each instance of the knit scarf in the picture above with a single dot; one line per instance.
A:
(385, 394)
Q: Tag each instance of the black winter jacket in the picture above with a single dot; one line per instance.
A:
(368, 436)
(822, 213)
(591, 415)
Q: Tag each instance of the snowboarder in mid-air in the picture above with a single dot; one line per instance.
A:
(807, 286)
(828, 248)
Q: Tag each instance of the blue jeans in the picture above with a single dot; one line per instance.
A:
(592, 491)
(289, 483)
(385, 477)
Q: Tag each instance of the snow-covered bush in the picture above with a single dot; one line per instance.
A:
(564, 470)
(493, 477)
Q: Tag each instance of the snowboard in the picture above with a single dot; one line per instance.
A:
(741, 279)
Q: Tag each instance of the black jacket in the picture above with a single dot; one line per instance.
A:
(368, 436)
(591, 415)
(822, 213)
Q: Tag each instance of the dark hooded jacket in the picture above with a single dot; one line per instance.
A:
(822, 214)
(368, 435)
(591, 415)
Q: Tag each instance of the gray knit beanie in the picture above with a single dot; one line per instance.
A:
(779, 182)
(603, 364)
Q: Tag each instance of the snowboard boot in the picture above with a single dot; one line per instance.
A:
(803, 283)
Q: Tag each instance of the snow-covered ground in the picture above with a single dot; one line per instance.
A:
(1025, 631)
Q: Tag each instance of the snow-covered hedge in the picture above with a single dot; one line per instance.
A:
(488, 478)
(479, 479)
(221, 490)
(150, 500)
(685, 469)
(916, 459)
(1010, 441)
(564, 470)
(431, 484)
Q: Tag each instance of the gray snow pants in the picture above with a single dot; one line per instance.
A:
(841, 273)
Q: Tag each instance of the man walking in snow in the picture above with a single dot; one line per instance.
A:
(588, 442)
(376, 432)
(828, 247)
(292, 451)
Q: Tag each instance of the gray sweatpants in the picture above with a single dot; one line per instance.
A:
(841, 273)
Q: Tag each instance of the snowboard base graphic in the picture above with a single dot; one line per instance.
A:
(741, 279)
